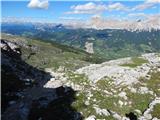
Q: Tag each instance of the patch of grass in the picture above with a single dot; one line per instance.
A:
(43, 54)
(110, 102)
(156, 111)
(135, 61)
(154, 82)
(106, 84)
(79, 79)
(49, 55)
(79, 103)
(139, 101)
(88, 110)
(102, 117)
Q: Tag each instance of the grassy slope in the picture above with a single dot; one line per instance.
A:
(135, 61)
(50, 54)
(137, 100)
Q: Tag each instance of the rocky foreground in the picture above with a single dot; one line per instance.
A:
(118, 73)
(114, 88)
(122, 89)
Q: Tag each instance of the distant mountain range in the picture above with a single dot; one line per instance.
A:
(109, 43)
(96, 22)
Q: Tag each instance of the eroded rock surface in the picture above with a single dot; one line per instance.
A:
(118, 73)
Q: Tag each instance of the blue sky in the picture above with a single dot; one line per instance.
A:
(59, 11)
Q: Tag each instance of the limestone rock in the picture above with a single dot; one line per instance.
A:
(120, 103)
(119, 74)
(53, 84)
(89, 47)
(123, 95)
(100, 111)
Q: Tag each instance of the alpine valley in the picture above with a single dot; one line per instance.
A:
(59, 72)
(80, 59)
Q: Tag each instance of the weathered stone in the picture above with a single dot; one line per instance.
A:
(119, 74)
(87, 103)
(120, 103)
(53, 84)
(123, 95)
(100, 111)
(138, 111)
(89, 47)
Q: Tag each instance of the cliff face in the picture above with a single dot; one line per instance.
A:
(23, 95)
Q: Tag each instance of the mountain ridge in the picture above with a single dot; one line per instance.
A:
(99, 24)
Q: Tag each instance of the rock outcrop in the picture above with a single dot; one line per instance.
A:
(89, 47)
(118, 73)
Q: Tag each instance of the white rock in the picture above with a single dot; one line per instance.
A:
(123, 95)
(155, 118)
(105, 112)
(120, 103)
(117, 117)
(89, 47)
(86, 103)
(108, 93)
(100, 111)
(92, 117)
(125, 118)
(53, 84)
(138, 111)
(125, 103)
(133, 90)
(119, 74)
(61, 69)
(148, 116)
(143, 90)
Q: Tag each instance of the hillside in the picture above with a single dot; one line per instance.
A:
(44, 54)
(109, 43)
(80, 59)
(23, 94)
(41, 78)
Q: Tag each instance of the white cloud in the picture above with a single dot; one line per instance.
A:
(143, 6)
(80, 12)
(41, 4)
(92, 8)
(117, 6)
(88, 8)
(70, 18)
(97, 8)
(153, 1)
(147, 4)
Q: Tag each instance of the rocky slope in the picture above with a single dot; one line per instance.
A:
(118, 73)
(122, 89)
(114, 89)
(23, 94)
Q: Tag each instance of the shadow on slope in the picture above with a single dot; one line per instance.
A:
(23, 94)
(58, 109)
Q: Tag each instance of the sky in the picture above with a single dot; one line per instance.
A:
(75, 10)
